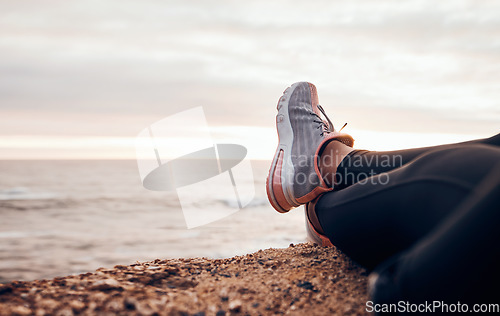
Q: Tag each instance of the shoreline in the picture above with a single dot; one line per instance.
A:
(301, 279)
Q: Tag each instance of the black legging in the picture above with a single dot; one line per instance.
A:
(435, 209)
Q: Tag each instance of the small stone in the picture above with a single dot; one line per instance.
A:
(114, 305)
(121, 267)
(106, 285)
(21, 310)
(49, 304)
(143, 308)
(40, 312)
(129, 303)
(77, 306)
(235, 306)
(5, 289)
(66, 311)
(171, 270)
(307, 285)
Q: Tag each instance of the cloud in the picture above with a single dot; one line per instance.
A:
(92, 61)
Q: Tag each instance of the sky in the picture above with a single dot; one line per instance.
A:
(81, 79)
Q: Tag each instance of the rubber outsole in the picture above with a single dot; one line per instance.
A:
(279, 192)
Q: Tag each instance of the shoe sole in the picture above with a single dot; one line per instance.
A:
(279, 191)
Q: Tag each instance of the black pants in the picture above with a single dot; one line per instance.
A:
(436, 209)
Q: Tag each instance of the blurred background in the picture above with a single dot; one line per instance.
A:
(80, 79)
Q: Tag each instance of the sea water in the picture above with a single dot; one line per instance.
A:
(68, 217)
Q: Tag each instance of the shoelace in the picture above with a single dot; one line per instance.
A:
(326, 127)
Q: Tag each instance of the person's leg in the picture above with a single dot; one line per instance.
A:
(349, 166)
(457, 261)
(382, 215)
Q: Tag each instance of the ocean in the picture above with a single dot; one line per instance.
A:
(74, 216)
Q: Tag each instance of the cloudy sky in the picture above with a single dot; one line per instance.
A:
(80, 79)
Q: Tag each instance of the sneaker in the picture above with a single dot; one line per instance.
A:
(294, 177)
(315, 233)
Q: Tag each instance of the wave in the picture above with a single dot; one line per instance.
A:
(23, 193)
(255, 202)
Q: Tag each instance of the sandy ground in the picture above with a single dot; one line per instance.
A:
(302, 279)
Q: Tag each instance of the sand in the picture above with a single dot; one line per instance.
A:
(303, 279)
